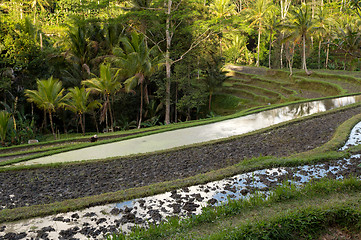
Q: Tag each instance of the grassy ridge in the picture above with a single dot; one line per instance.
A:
(275, 86)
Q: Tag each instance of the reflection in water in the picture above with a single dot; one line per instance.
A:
(198, 134)
(95, 221)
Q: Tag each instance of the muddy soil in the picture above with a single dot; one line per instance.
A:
(40, 186)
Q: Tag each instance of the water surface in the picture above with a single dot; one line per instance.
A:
(198, 134)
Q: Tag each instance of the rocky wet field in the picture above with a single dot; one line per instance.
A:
(45, 185)
(97, 222)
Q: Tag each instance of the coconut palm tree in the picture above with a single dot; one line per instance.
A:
(41, 3)
(300, 27)
(78, 101)
(107, 85)
(138, 62)
(349, 41)
(83, 43)
(272, 23)
(257, 15)
(221, 8)
(48, 96)
(4, 125)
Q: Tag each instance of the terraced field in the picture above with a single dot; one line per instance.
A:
(250, 87)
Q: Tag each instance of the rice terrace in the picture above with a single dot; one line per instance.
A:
(171, 119)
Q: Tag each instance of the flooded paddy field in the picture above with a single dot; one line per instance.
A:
(39, 186)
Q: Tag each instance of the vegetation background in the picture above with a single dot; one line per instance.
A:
(77, 66)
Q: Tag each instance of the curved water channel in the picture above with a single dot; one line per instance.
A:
(198, 134)
(96, 222)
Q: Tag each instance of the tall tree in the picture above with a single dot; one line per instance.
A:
(300, 26)
(221, 8)
(284, 8)
(272, 23)
(257, 15)
(48, 96)
(137, 62)
(107, 85)
(78, 101)
(41, 3)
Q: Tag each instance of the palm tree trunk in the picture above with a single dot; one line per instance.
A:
(141, 104)
(110, 113)
(51, 124)
(327, 52)
(82, 122)
(269, 50)
(281, 55)
(304, 55)
(259, 43)
(319, 54)
(168, 64)
(44, 120)
(175, 103)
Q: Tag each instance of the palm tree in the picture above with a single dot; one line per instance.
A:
(349, 41)
(221, 8)
(78, 101)
(83, 46)
(48, 96)
(41, 3)
(107, 85)
(300, 26)
(324, 30)
(272, 23)
(4, 125)
(214, 77)
(138, 62)
(257, 16)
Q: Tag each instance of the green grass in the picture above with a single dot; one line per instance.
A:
(325, 88)
(288, 89)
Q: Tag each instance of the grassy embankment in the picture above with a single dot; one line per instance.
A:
(252, 87)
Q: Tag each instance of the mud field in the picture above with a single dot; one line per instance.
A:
(46, 185)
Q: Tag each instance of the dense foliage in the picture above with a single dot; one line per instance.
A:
(154, 61)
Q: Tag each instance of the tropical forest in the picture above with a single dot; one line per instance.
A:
(180, 119)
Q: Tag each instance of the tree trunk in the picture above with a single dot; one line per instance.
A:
(327, 52)
(82, 120)
(258, 44)
(281, 55)
(176, 101)
(110, 113)
(51, 124)
(290, 67)
(304, 55)
(141, 103)
(168, 64)
(44, 121)
(95, 121)
(269, 50)
(319, 54)
(41, 41)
